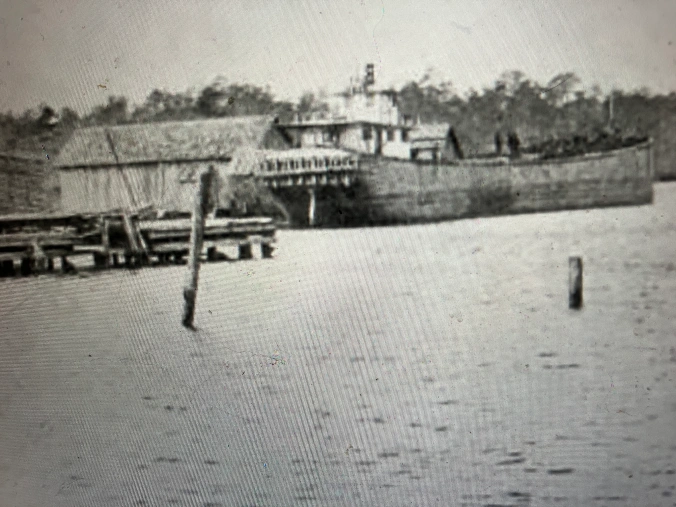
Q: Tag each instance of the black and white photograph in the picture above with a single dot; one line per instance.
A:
(337, 253)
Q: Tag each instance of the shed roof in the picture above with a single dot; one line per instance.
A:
(213, 139)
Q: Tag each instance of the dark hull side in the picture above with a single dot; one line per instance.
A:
(401, 191)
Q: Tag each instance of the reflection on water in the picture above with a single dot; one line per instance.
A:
(416, 365)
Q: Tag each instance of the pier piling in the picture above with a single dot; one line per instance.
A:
(66, 266)
(26, 266)
(7, 268)
(245, 252)
(266, 250)
(575, 283)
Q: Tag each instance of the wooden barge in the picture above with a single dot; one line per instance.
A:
(30, 244)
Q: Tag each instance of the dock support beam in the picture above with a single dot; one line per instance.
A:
(212, 254)
(66, 267)
(39, 259)
(196, 242)
(7, 268)
(312, 207)
(102, 260)
(26, 266)
(575, 283)
(245, 252)
(266, 250)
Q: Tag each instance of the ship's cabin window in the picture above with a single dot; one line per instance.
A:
(390, 134)
(404, 136)
(367, 134)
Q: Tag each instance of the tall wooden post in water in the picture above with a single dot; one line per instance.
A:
(196, 241)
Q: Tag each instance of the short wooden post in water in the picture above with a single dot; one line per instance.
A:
(575, 283)
(196, 242)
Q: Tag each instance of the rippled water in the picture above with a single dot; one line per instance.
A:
(421, 365)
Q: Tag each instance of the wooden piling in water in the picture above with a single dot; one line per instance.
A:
(196, 242)
(575, 283)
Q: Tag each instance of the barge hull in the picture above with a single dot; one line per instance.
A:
(403, 191)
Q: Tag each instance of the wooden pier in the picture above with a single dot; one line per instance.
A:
(32, 244)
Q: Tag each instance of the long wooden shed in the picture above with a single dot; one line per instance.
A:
(156, 165)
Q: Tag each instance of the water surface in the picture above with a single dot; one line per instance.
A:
(421, 365)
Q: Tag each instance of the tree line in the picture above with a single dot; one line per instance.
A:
(558, 111)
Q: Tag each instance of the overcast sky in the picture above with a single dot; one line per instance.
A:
(64, 52)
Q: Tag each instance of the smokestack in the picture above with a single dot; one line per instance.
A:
(370, 78)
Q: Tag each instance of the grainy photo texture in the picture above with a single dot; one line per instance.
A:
(337, 253)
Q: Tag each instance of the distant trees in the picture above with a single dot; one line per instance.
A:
(560, 113)
(310, 103)
(115, 112)
(218, 100)
(482, 120)
(40, 131)
(513, 105)
(161, 105)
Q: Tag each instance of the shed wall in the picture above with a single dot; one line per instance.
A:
(165, 186)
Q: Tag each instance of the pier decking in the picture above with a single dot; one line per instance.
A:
(30, 244)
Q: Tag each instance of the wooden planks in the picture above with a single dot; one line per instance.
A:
(34, 241)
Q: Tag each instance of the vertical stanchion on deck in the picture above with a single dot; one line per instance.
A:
(38, 257)
(105, 242)
(312, 207)
(575, 283)
(133, 252)
(196, 241)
